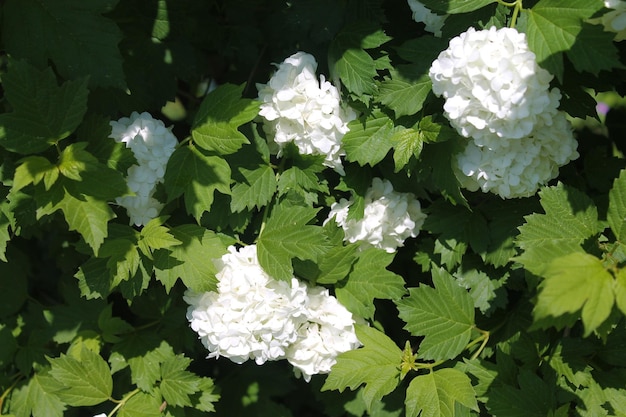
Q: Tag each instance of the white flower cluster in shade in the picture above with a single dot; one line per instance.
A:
(389, 217)
(497, 95)
(152, 145)
(254, 316)
(300, 109)
(432, 21)
(615, 20)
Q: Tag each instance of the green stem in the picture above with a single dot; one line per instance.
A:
(122, 402)
(516, 10)
(6, 393)
(482, 339)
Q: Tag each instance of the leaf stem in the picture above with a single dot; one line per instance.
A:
(122, 402)
(484, 338)
(6, 392)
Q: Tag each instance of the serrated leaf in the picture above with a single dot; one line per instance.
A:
(196, 176)
(594, 50)
(369, 280)
(83, 213)
(616, 215)
(288, 235)
(435, 394)
(176, 382)
(73, 34)
(155, 236)
(143, 352)
(444, 315)
(43, 113)
(349, 61)
(406, 90)
(220, 114)
(141, 405)
(191, 261)
(553, 26)
(376, 364)
(36, 399)
(33, 170)
(85, 382)
(368, 141)
(437, 160)
(435, 132)
(534, 398)
(255, 190)
(337, 263)
(94, 278)
(301, 180)
(620, 290)
(455, 6)
(407, 143)
(570, 218)
(573, 282)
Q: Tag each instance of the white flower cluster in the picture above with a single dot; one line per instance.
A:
(615, 20)
(497, 95)
(152, 145)
(433, 22)
(389, 217)
(254, 316)
(300, 109)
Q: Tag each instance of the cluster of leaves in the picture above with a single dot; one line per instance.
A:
(505, 308)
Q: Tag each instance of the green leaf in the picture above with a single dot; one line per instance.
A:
(144, 353)
(435, 132)
(255, 190)
(156, 236)
(220, 114)
(141, 405)
(196, 176)
(553, 26)
(575, 281)
(376, 364)
(620, 290)
(73, 34)
(191, 261)
(83, 213)
(287, 235)
(616, 215)
(534, 398)
(406, 90)
(337, 264)
(444, 315)
(434, 394)
(368, 141)
(407, 143)
(455, 6)
(355, 67)
(369, 280)
(177, 383)
(570, 218)
(33, 170)
(85, 382)
(94, 278)
(43, 113)
(594, 50)
(36, 398)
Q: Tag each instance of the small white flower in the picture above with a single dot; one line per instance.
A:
(492, 84)
(152, 145)
(253, 316)
(300, 109)
(432, 21)
(518, 167)
(389, 217)
(615, 20)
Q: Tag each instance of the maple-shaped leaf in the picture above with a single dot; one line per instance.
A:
(43, 113)
(570, 218)
(376, 364)
(574, 282)
(256, 188)
(73, 34)
(616, 215)
(406, 89)
(177, 384)
(288, 235)
(196, 176)
(444, 315)
(369, 140)
(533, 398)
(369, 279)
(435, 393)
(215, 127)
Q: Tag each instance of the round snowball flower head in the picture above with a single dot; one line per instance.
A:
(328, 332)
(518, 167)
(152, 145)
(492, 84)
(251, 316)
(432, 21)
(300, 109)
(389, 217)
